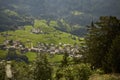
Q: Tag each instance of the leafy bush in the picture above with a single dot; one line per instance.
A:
(74, 72)
(83, 71)
(98, 71)
(22, 71)
(2, 70)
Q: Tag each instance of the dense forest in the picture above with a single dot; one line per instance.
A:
(59, 40)
(78, 12)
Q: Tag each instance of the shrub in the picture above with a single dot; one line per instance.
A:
(98, 71)
(2, 70)
(74, 72)
(83, 71)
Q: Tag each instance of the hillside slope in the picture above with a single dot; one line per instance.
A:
(80, 12)
(40, 32)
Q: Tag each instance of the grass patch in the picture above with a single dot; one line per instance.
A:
(3, 53)
(31, 56)
(55, 58)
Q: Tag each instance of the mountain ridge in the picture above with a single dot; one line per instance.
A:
(80, 12)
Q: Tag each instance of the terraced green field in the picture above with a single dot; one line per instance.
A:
(57, 58)
(54, 37)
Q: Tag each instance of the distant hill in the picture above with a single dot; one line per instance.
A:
(80, 12)
(42, 33)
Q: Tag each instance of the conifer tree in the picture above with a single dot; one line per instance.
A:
(43, 70)
(99, 41)
(113, 56)
(64, 62)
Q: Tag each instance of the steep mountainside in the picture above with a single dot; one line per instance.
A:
(80, 12)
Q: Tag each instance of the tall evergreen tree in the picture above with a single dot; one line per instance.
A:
(99, 40)
(64, 62)
(113, 56)
(43, 70)
(12, 54)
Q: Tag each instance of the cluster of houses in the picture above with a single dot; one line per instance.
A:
(12, 46)
(36, 31)
(42, 48)
(57, 49)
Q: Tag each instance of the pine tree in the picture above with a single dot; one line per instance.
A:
(64, 62)
(113, 56)
(43, 70)
(99, 40)
(11, 55)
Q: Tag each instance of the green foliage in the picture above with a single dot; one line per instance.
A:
(64, 26)
(65, 73)
(22, 71)
(113, 56)
(64, 62)
(40, 23)
(2, 70)
(98, 71)
(11, 13)
(84, 71)
(27, 28)
(75, 72)
(2, 54)
(55, 58)
(11, 53)
(31, 56)
(43, 70)
(10, 19)
(51, 58)
(99, 41)
(53, 24)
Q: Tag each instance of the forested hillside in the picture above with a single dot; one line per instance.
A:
(80, 12)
